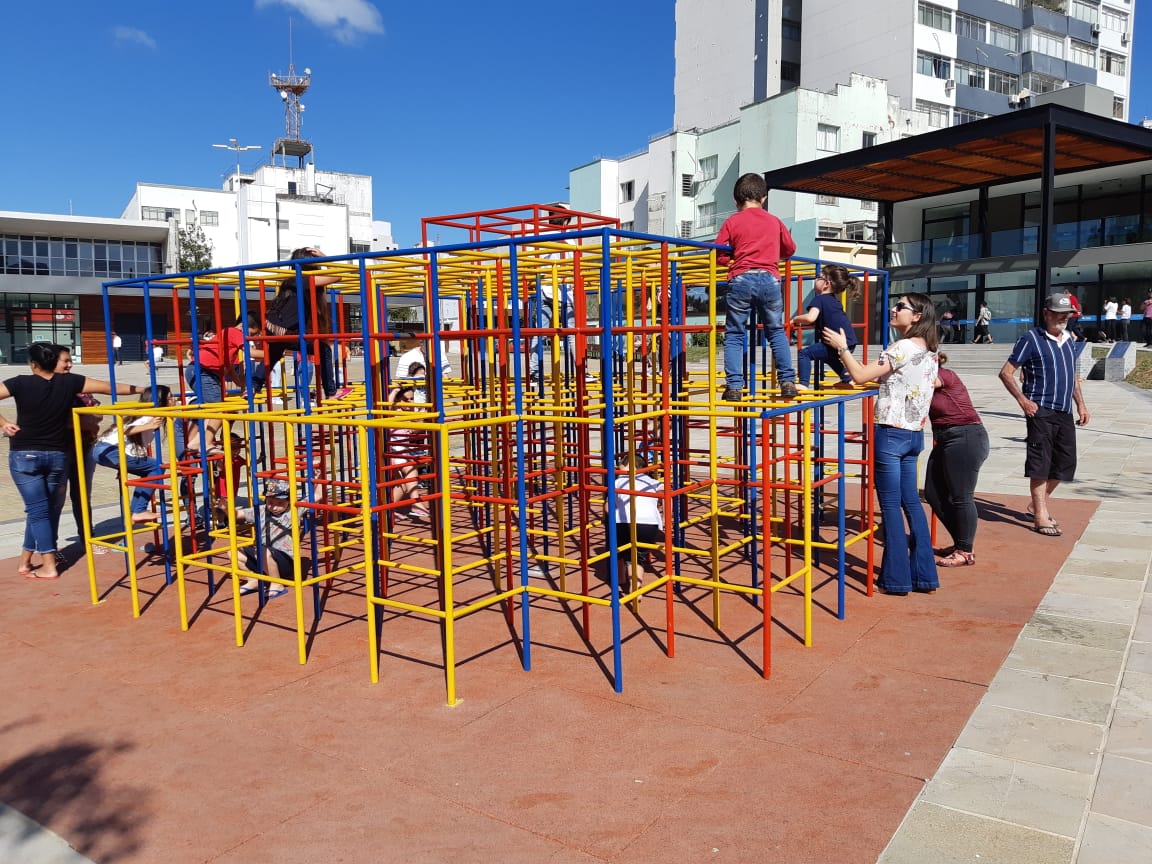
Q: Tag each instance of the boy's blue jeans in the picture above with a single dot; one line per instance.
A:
(819, 351)
(759, 289)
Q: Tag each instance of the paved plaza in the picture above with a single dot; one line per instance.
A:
(971, 726)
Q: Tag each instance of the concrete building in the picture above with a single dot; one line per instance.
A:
(682, 183)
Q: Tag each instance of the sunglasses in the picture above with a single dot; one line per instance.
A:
(900, 306)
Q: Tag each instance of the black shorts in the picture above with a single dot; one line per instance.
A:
(283, 563)
(645, 533)
(1051, 446)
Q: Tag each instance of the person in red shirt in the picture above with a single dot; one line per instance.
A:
(217, 353)
(1074, 318)
(759, 241)
(960, 446)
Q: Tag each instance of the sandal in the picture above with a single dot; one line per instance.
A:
(958, 558)
(1032, 515)
(1052, 530)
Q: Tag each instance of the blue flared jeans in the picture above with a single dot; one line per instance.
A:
(908, 562)
(759, 289)
(41, 478)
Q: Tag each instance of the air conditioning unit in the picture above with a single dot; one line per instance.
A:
(1124, 38)
(949, 85)
(1096, 30)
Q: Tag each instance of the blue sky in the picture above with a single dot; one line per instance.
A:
(450, 106)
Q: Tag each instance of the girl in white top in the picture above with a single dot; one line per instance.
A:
(1110, 319)
(1125, 317)
(906, 372)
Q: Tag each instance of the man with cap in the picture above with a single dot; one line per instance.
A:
(1047, 355)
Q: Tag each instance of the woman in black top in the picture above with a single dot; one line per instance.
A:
(41, 447)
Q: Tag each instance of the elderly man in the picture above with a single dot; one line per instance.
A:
(1047, 355)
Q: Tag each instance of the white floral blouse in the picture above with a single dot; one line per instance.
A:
(906, 392)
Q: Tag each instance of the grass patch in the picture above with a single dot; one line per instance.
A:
(1099, 353)
(1141, 376)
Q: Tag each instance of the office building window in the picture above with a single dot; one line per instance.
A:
(790, 72)
(868, 139)
(790, 30)
(933, 65)
(1043, 42)
(1004, 83)
(828, 138)
(935, 16)
(1082, 53)
(627, 226)
(969, 74)
(1003, 36)
(189, 216)
(686, 185)
(865, 231)
(972, 27)
(1037, 83)
(1084, 11)
(355, 248)
(1111, 20)
(706, 216)
(71, 256)
(1118, 107)
(966, 115)
(686, 228)
(867, 205)
(937, 113)
(708, 167)
(830, 232)
(627, 191)
(209, 217)
(160, 214)
(830, 200)
(1115, 64)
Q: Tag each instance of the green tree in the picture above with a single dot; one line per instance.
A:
(195, 249)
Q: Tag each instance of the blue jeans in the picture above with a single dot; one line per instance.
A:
(108, 455)
(759, 289)
(819, 351)
(908, 559)
(41, 478)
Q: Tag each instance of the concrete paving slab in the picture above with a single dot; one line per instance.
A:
(25, 840)
(1052, 695)
(1090, 566)
(1098, 586)
(1035, 796)
(1028, 737)
(1140, 657)
(1093, 634)
(1072, 661)
(1114, 841)
(1136, 692)
(1122, 790)
(1130, 735)
(1057, 602)
(941, 836)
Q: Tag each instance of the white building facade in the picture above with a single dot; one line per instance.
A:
(682, 184)
(261, 217)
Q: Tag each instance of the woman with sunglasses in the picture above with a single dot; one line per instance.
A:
(907, 372)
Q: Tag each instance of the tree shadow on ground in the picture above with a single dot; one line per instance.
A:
(61, 786)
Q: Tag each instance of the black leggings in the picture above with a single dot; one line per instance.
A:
(953, 468)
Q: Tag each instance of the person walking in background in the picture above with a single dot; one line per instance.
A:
(1110, 309)
(39, 450)
(117, 344)
(983, 323)
(1048, 359)
(759, 241)
(906, 371)
(1146, 311)
(826, 311)
(960, 448)
(1074, 318)
(1124, 319)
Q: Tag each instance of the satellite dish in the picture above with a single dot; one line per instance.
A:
(307, 71)
(283, 95)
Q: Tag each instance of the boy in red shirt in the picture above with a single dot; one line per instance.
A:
(217, 353)
(758, 240)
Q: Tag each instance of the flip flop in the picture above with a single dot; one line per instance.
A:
(35, 574)
(276, 591)
(1052, 530)
(1032, 515)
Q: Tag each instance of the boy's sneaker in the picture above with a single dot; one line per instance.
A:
(788, 389)
(731, 394)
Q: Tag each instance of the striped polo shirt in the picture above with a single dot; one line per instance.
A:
(1049, 366)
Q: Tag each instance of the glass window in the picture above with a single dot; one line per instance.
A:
(1003, 36)
(937, 113)
(972, 27)
(790, 72)
(1004, 83)
(966, 115)
(1115, 64)
(935, 16)
(1082, 53)
(627, 191)
(790, 30)
(1113, 20)
(1043, 42)
(706, 216)
(828, 138)
(868, 139)
(1037, 83)
(1118, 107)
(969, 74)
(933, 65)
(209, 217)
(708, 167)
(1084, 11)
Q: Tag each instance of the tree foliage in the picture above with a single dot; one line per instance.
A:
(195, 249)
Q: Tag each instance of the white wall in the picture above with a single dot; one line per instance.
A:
(715, 58)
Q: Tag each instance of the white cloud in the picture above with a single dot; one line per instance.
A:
(132, 36)
(345, 19)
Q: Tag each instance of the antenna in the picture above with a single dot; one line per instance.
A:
(291, 87)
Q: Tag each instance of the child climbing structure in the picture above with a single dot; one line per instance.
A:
(583, 362)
